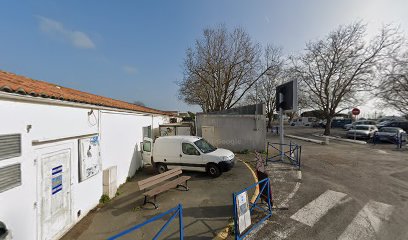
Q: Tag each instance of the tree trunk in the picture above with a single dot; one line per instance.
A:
(269, 126)
(328, 126)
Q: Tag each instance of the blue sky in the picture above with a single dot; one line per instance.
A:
(134, 50)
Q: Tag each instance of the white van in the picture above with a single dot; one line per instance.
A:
(189, 153)
(303, 121)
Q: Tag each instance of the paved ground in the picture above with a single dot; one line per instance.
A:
(207, 208)
(348, 191)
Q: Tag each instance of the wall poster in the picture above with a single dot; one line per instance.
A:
(89, 157)
(244, 215)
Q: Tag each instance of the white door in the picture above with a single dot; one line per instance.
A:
(55, 190)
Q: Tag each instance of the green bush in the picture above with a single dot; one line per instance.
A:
(104, 199)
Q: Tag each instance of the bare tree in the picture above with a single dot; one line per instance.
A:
(332, 71)
(265, 89)
(393, 89)
(221, 69)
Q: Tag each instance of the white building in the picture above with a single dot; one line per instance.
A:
(55, 143)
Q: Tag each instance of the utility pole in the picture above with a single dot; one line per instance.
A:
(281, 138)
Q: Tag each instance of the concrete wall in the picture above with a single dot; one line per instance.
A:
(235, 132)
(51, 126)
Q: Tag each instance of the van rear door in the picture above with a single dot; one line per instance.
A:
(147, 151)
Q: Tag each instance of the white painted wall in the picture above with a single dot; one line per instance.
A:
(47, 122)
(17, 205)
(120, 135)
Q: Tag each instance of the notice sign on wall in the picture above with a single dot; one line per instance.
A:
(89, 158)
(244, 215)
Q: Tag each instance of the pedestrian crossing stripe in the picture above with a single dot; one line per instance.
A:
(316, 209)
(367, 222)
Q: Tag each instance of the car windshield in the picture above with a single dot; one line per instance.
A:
(361, 127)
(391, 130)
(204, 146)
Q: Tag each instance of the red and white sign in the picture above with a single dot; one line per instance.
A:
(355, 111)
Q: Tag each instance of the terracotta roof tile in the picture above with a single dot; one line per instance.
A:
(10, 82)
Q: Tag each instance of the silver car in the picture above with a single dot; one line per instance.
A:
(362, 131)
(389, 134)
(359, 122)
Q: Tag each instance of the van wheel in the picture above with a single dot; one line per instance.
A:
(161, 168)
(213, 170)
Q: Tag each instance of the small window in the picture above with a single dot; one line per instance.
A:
(189, 149)
(147, 146)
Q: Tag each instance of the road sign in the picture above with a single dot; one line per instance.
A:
(287, 96)
(355, 111)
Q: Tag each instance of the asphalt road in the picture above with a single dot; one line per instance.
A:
(348, 191)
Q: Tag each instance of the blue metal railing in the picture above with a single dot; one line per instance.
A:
(177, 211)
(263, 193)
(398, 139)
(293, 154)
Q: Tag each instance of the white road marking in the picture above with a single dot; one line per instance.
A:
(313, 211)
(382, 151)
(368, 221)
(284, 203)
(285, 233)
(252, 235)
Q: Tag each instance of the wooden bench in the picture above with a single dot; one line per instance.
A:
(162, 184)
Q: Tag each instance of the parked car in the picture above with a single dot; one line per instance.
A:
(383, 123)
(389, 134)
(188, 152)
(399, 124)
(303, 121)
(339, 123)
(319, 123)
(362, 131)
(359, 122)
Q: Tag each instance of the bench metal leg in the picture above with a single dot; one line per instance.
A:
(153, 203)
(183, 186)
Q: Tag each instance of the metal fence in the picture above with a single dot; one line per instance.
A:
(291, 156)
(402, 140)
(261, 203)
(399, 140)
(174, 212)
